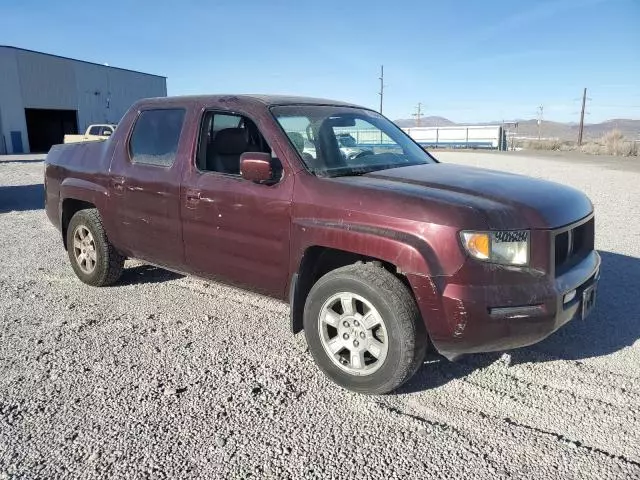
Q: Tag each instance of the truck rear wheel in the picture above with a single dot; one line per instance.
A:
(364, 329)
(94, 260)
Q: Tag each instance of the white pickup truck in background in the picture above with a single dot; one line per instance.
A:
(93, 133)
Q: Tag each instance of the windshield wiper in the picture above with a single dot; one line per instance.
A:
(356, 172)
(350, 173)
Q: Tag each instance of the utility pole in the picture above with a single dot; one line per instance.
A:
(540, 113)
(584, 101)
(418, 114)
(381, 93)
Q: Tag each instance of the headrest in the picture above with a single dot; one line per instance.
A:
(230, 141)
(297, 139)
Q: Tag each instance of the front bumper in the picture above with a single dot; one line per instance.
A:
(500, 317)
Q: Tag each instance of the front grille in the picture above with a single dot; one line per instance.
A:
(573, 245)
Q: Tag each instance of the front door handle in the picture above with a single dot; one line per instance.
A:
(193, 196)
(118, 184)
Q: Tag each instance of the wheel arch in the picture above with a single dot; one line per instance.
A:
(321, 248)
(71, 206)
(75, 195)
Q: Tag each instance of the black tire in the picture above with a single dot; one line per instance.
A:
(406, 334)
(108, 263)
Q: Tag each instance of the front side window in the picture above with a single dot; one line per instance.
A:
(339, 141)
(224, 137)
(155, 136)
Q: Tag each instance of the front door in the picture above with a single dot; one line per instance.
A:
(235, 230)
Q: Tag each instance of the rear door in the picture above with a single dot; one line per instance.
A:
(145, 186)
(236, 230)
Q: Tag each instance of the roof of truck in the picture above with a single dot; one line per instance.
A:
(268, 100)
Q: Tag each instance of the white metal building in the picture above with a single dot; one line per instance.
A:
(459, 136)
(43, 97)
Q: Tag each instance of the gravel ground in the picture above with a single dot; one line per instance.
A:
(164, 376)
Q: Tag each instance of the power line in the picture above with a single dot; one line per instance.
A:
(540, 114)
(584, 101)
(616, 106)
(418, 114)
(381, 93)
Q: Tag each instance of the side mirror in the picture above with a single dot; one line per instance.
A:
(256, 167)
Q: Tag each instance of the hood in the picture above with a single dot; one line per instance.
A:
(507, 200)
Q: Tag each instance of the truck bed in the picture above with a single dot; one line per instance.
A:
(83, 138)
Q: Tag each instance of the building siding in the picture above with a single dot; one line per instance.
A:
(47, 82)
(11, 106)
(99, 93)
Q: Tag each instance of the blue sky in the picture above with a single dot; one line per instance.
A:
(464, 60)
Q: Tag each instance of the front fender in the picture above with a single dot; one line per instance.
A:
(413, 256)
(409, 253)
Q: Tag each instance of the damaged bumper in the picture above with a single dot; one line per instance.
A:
(490, 318)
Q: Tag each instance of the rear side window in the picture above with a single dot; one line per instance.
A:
(94, 131)
(155, 136)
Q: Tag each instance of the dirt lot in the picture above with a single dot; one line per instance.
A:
(168, 376)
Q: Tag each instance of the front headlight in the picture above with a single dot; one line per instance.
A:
(510, 247)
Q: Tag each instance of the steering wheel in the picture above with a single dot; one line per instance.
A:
(362, 154)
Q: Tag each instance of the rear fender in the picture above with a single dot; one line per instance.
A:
(86, 191)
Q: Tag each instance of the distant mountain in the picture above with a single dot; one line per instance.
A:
(549, 129)
(424, 122)
(569, 131)
(629, 128)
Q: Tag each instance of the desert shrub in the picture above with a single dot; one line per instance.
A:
(544, 144)
(615, 144)
(568, 146)
(629, 149)
(592, 148)
(613, 141)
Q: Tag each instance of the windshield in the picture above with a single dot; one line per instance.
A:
(338, 141)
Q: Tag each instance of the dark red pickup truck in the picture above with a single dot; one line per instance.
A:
(378, 248)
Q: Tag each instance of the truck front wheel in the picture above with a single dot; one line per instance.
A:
(364, 329)
(94, 260)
